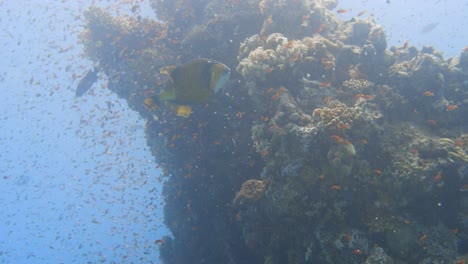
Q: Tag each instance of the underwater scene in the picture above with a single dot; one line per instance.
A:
(275, 131)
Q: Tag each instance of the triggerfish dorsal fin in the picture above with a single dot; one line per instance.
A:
(169, 93)
(167, 70)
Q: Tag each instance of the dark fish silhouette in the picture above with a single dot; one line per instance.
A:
(428, 28)
(86, 82)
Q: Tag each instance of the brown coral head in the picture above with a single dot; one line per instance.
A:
(251, 190)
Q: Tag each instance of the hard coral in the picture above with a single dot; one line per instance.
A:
(251, 190)
(335, 115)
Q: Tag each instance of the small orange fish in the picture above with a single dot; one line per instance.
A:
(341, 11)
(432, 122)
(238, 216)
(363, 141)
(265, 153)
(294, 57)
(377, 172)
(405, 45)
(289, 44)
(428, 93)
(347, 238)
(325, 85)
(451, 107)
(357, 252)
(240, 114)
(317, 112)
(148, 93)
(335, 187)
(368, 96)
(336, 138)
(422, 239)
(326, 60)
(278, 93)
(361, 13)
(342, 126)
(376, 34)
(320, 28)
(364, 96)
(438, 177)
(269, 20)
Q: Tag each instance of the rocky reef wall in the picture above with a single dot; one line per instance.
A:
(327, 146)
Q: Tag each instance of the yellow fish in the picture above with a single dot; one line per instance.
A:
(193, 82)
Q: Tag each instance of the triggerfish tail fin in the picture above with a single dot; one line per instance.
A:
(168, 94)
(86, 82)
(167, 70)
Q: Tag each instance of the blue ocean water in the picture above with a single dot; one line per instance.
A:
(77, 180)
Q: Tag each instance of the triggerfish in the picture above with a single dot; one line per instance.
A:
(189, 84)
(86, 82)
(193, 82)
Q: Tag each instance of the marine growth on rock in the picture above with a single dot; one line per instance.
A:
(323, 143)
